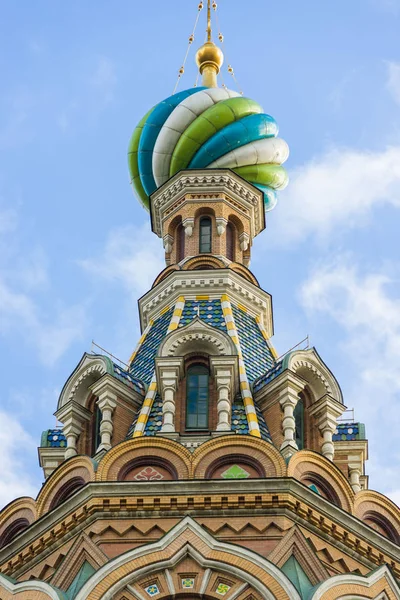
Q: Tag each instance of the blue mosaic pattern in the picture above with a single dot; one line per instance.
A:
(349, 432)
(239, 419)
(154, 421)
(265, 435)
(53, 438)
(209, 311)
(130, 381)
(142, 366)
(268, 376)
(256, 353)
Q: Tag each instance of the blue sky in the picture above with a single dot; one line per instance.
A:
(75, 246)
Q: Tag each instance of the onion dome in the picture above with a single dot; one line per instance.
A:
(207, 128)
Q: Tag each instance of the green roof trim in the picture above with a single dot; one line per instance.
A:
(295, 573)
(84, 573)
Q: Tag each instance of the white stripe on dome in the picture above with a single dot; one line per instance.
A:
(178, 121)
(268, 150)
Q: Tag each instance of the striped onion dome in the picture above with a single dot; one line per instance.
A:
(207, 128)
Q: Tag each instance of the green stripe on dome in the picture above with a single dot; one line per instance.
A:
(133, 163)
(271, 175)
(208, 124)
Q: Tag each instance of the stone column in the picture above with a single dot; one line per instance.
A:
(73, 416)
(169, 371)
(327, 410)
(355, 472)
(224, 370)
(71, 432)
(107, 402)
(288, 402)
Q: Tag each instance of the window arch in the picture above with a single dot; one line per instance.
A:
(205, 235)
(67, 490)
(230, 242)
(197, 397)
(11, 532)
(180, 243)
(299, 423)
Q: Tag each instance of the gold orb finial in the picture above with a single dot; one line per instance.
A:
(209, 57)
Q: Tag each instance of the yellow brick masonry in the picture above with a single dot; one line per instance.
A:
(244, 382)
(152, 390)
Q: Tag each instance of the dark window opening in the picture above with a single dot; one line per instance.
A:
(197, 397)
(205, 235)
(230, 242)
(180, 243)
(96, 429)
(11, 532)
(299, 421)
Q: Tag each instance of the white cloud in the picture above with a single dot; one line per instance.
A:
(336, 191)
(393, 81)
(133, 256)
(367, 310)
(15, 474)
(20, 315)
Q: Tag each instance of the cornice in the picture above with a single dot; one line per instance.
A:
(171, 498)
(207, 184)
(212, 283)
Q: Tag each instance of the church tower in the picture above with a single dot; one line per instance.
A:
(208, 466)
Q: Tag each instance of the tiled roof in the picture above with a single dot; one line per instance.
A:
(349, 432)
(209, 311)
(53, 438)
(268, 376)
(128, 379)
(256, 353)
(142, 366)
(154, 421)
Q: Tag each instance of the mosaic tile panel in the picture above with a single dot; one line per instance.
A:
(222, 589)
(209, 311)
(235, 472)
(152, 590)
(53, 438)
(256, 353)
(154, 421)
(130, 381)
(188, 583)
(142, 366)
(268, 376)
(265, 435)
(349, 432)
(239, 419)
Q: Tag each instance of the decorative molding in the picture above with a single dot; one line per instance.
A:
(213, 283)
(295, 544)
(198, 336)
(218, 185)
(82, 550)
(177, 539)
(348, 580)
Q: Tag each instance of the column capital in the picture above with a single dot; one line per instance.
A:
(188, 225)
(221, 223)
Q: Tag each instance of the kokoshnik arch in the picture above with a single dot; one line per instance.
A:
(207, 467)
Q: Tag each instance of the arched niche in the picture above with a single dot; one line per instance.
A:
(150, 468)
(197, 338)
(88, 371)
(308, 365)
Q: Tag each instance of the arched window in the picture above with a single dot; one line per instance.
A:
(96, 435)
(17, 527)
(180, 241)
(205, 235)
(197, 397)
(230, 242)
(299, 421)
(67, 490)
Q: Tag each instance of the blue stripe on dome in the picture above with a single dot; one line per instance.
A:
(248, 129)
(150, 132)
(270, 195)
